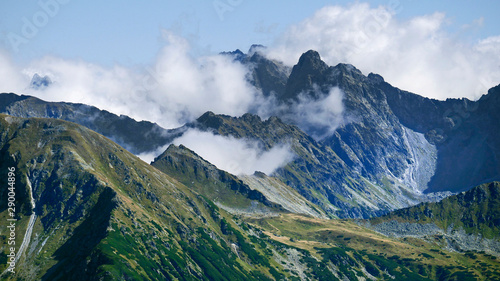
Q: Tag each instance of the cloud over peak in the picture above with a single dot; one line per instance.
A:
(416, 54)
(236, 156)
(175, 89)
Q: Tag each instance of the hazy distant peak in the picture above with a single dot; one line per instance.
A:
(39, 82)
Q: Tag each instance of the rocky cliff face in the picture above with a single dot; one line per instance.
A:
(389, 135)
(371, 139)
(269, 76)
(372, 163)
(465, 133)
(317, 172)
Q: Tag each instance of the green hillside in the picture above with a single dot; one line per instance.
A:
(103, 214)
(469, 220)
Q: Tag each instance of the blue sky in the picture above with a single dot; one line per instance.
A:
(157, 60)
(129, 32)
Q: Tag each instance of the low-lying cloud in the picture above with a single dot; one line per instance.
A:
(11, 78)
(176, 89)
(317, 117)
(415, 54)
(236, 156)
(315, 112)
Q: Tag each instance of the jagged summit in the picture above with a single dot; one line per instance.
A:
(256, 49)
(308, 71)
(311, 60)
(312, 77)
(237, 55)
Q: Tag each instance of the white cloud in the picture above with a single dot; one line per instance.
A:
(190, 87)
(415, 55)
(82, 82)
(11, 79)
(318, 114)
(176, 89)
(236, 156)
(319, 118)
(150, 156)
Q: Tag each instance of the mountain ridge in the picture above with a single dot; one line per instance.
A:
(141, 224)
(389, 147)
(468, 221)
(116, 127)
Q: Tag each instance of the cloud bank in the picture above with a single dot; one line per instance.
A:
(176, 89)
(11, 78)
(236, 156)
(316, 113)
(415, 55)
(318, 118)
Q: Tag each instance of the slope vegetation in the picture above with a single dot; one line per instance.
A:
(466, 221)
(103, 214)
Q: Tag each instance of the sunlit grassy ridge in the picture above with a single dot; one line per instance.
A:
(355, 251)
(104, 214)
(477, 211)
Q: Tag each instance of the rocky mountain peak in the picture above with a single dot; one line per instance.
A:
(375, 78)
(251, 118)
(311, 60)
(492, 99)
(210, 120)
(310, 70)
(255, 48)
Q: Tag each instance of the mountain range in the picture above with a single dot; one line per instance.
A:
(366, 194)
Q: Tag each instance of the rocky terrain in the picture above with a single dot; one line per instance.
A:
(146, 136)
(469, 221)
(383, 150)
(100, 213)
(366, 195)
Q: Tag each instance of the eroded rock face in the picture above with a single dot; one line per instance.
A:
(369, 165)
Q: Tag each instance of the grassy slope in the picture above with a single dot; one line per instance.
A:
(344, 245)
(219, 186)
(477, 211)
(106, 215)
(135, 221)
